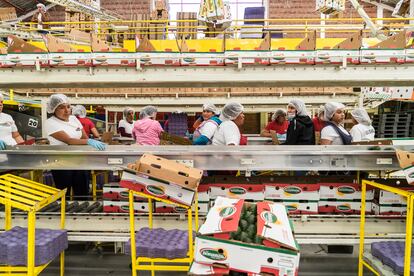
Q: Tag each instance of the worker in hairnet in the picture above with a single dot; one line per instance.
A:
(126, 125)
(204, 133)
(62, 128)
(147, 130)
(278, 125)
(9, 135)
(228, 133)
(300, 130)
(88, 126)
(318, 122)
(363, 129)
(40, 16)
(334, 132)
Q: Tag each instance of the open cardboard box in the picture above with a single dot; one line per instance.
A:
(304, 52)
(406, 160)
(391, 50)
(276, 254)
(259, 56)
(169, 171)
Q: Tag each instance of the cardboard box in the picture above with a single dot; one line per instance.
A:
(244, 191)
(203, 191)
(159, 58)
(161, 207)
(337, 56)
(70, 59)
(299, 207)
(409, 58)
(169, 171)
(278, 255)
(342, 188)
(148, 185)
(212, 58)
(200, 269)
(350, 207)
(291, 188)
(113, 191)
(406, 161)
(292, 57)
(114, 59)
(247, 57)
(110, 206)
(374, 56)
(393, 209)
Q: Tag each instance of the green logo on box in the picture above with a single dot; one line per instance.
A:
(180, 209)
(346, 190)
(227, 212)
(343, 208)
(268, 217)
(155, 190)
(238, 190)
(124, 194)
(291, 208)
(213, 254)
(292, 190)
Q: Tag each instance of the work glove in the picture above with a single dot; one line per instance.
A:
(2, 145)
(96, 144)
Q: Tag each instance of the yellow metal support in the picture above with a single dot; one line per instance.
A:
(132, 231)
(11, 94)
(94, 176)
(408, 228)
(31, 243)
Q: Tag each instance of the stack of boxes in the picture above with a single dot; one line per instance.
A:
(330, 6)
(300, 195)
(387, 203)
(342, 195)
(140, 29)
(115, 200)
(72, 16)
(246, 237)
(187, 30)
(158, 29)
(162, 178)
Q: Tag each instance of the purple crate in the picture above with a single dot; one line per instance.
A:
(160, 243)
(392, 254)
(48, 245)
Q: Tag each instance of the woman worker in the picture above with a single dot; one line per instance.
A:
(9, 135)
(300, 130)
(334, 133)
(203, 134)
(363, 129)
(147, 130)
(126, 125)
(279, 124)
(62, 128)
(88, 126)
(228, 132)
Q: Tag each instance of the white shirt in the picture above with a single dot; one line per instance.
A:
(40, 19)
(73, 128)
(330, 134)
(362, 132)
(7, 127)
(227, 133)
(127, 126)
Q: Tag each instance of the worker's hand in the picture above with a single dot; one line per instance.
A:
(96, 144)
(2, 145)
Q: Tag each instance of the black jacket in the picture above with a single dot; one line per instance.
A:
(300, 131)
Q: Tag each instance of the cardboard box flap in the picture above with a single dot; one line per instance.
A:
(273, 224)
(55, 44)
(79, 36)
(405, 158)
(169, 171)
(18, 45)
(143, 45)
(351, 43)
(265, 44)
(308, 43)
(376, 142)
(175, 139)
(398, 41)
(3, 51)
(201, 270)
(223, 217)
(99, 45)
(184, 46)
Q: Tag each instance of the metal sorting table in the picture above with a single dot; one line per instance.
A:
(263, 157)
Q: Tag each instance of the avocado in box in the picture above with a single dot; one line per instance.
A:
(247, 237)
(162, 178)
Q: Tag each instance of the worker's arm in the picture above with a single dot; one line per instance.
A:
(17, 137)
(64, 137)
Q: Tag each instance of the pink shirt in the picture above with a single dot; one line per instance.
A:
(147, 132)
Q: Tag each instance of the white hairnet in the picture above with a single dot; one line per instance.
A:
(79, 110)
(54, 101)
(321, 110)
(330, 109)
(300, 107)
(210, 107)
(231, 111)
(147, 111)
(127, 110)
(361, 116)
(278, 112)
(40, 5)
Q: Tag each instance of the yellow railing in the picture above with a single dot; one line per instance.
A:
(409, 226)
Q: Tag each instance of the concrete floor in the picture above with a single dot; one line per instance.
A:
(88, 261)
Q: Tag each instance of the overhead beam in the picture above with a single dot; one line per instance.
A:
(252, 76)
(382, 5)
(13, 5)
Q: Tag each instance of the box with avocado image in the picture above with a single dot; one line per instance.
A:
(246, 237)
